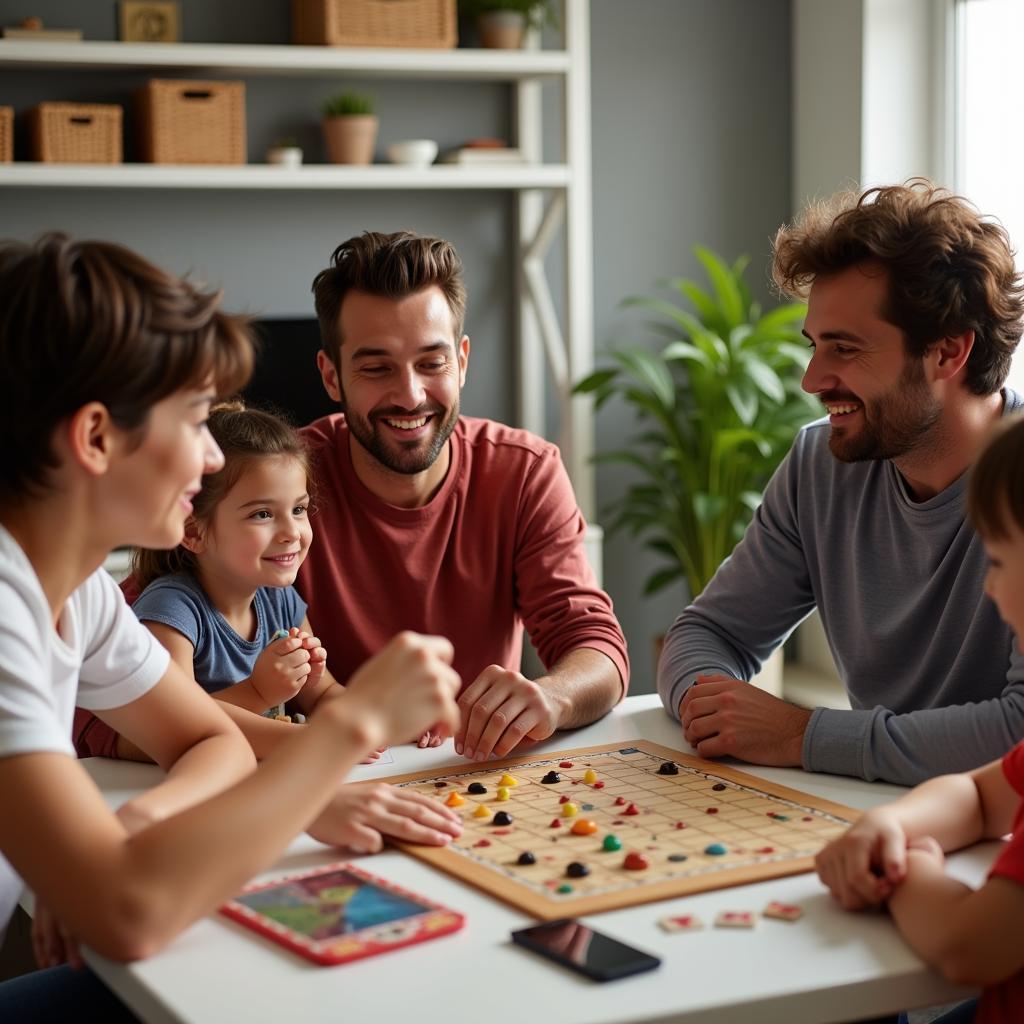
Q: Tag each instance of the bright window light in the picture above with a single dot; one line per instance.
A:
(990, 142)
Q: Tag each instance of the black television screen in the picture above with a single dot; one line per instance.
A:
(286, 379)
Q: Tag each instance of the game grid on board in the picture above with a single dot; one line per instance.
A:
(587, 830)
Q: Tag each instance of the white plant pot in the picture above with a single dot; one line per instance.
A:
(285, 156)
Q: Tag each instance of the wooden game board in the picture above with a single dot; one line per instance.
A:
(768, 830)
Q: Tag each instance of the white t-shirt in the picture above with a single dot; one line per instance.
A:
(100, 657)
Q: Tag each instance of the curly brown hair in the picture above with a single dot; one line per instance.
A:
(244, 436)
(392, 266)
(995, 491)
(949, 269)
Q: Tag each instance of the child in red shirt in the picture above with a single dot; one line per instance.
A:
(894, 854)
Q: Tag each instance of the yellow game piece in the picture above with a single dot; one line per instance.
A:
(481, 812)
(503, 793)
(570, 810)
(454, 800)
(584, 827)
(508, 780)
(590, 776)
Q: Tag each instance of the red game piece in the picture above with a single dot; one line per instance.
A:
(635, 862)
(565, 764)
(482, 842)
(619, 801)
(765, 849)
(600, 785)
(555, 823)
(563, 799)
(632, 809)
(712, 810)
(501, 832)
(680, 824)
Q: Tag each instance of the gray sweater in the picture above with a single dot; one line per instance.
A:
(935, 679)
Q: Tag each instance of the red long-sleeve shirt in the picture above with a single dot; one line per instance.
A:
(497, 548)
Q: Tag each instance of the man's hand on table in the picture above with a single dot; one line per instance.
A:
(500, 709)
(722, 716)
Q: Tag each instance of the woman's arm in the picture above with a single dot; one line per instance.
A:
(126, 896)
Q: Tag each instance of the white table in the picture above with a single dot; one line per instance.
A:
(831, 966)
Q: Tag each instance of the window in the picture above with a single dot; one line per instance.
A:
(989, 118)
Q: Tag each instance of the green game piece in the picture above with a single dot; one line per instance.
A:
(611, 843)
(715, 850)
(564, 887)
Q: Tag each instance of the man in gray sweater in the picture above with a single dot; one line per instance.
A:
(914, 311)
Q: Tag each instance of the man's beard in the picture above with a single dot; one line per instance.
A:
(894, 424)
(408, 457)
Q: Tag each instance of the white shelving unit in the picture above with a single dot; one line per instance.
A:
(550, 197)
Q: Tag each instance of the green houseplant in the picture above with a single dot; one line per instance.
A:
(350, 128)
(717, 408)
(501, 23)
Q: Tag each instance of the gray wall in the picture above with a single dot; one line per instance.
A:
(691, 141)
(691, 144)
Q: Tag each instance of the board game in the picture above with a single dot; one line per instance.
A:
(588, 830)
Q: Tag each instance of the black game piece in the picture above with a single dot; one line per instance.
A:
(677, 858)
(476, 787)
(577, 870)
(668, 768)
(526, 858)
(719, 786)
(551, 778)
(502, 818)
(440, 785)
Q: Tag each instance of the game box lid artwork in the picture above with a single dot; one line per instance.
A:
(339, 913)
(588, 830)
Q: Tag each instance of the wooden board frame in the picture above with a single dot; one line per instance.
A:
(549, 907)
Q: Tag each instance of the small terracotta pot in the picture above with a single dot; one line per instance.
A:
(350, 139)
(501, 30)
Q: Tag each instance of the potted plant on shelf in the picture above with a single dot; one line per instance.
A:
(717, 407)
(502, 24)
(285, 153)
(350, 128)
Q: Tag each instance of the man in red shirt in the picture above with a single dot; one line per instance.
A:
(432, 521)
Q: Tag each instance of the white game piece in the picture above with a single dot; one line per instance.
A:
(736, 919)
(783, 911)
(681, 923)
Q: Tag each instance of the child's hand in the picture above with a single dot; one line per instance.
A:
(409, 686)
(362, 814)
(317, 657)
(863, 867)
(432, 738)
(281, 670)
(928, 846)
(52, 943)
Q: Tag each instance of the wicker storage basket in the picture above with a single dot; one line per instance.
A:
(6, 135)
(187, 122)
(76, 133)
(426, 23)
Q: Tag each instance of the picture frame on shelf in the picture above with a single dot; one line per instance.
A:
(149, 21)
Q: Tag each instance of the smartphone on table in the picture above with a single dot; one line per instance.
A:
(584, 949)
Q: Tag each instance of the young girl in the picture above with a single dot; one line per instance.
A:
(894, 854)
(116, 365)
(218, 599)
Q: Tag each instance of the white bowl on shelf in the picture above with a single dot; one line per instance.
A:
(413, 152)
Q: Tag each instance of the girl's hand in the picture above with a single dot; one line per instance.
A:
(52, 943)
(363, 814)
(432, 738)
(862, 867)
(281, 670)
